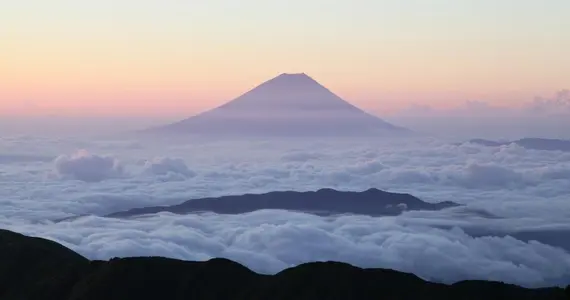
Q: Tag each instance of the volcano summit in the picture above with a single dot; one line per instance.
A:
(287, 105)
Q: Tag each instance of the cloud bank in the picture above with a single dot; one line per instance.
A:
(270, 241)
(88, 167)
(169, 169)
(504, 189)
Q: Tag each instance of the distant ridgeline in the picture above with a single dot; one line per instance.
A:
(39, 269)
(529, 143)
(324, 202)
(292, 105)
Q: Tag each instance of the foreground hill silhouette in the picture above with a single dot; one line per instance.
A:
(529, 143)
(35, 268)
(324, 202)
(293, 105)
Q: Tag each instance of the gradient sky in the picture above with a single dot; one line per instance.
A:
(161, 57)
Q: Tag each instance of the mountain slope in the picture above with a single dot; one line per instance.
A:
(35, 268)
(161, 278)
(287, 105)
(324, 202)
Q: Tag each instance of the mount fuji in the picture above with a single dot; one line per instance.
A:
(288, 105)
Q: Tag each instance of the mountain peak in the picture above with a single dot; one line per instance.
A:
(294, 74)
(292, 79)
(291, 104)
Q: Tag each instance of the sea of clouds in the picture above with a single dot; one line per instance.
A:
(503, 189)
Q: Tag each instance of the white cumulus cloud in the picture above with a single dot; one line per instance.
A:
(166, 165)
(88, 167)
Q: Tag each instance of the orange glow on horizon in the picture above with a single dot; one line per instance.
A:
(152, 58)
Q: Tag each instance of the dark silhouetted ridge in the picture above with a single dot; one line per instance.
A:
(324, 202)
(38, 269)
(31, 268)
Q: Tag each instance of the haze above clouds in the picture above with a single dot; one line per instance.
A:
(504, 189)
(545, 116)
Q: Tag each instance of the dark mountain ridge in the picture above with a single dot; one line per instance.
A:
(324, 202)
(35, 268)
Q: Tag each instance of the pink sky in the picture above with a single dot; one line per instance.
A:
(151, 58)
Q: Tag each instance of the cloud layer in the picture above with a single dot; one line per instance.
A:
(505, 189)
(270, 241)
